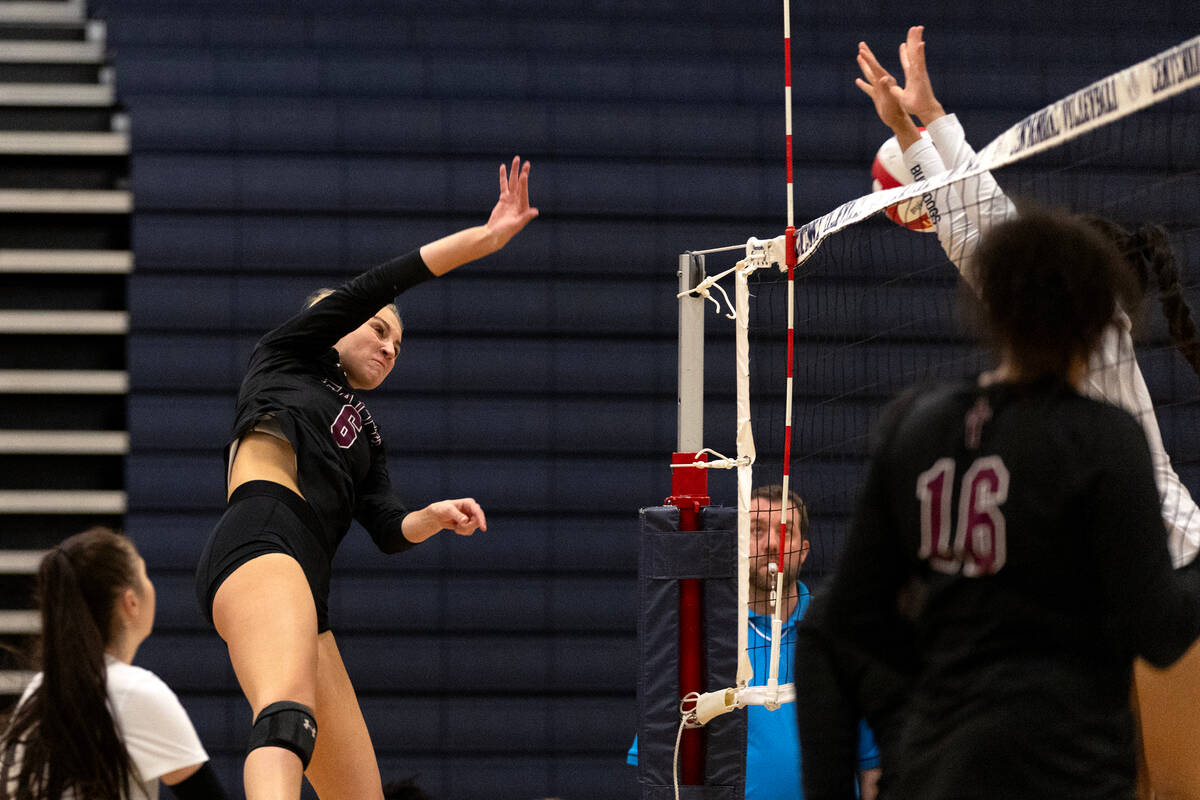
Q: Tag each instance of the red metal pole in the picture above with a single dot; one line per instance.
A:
(689, 493)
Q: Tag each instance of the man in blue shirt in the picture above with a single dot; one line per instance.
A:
(772, 737)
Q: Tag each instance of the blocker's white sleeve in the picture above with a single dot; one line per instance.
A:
(1114, 376)
(955, 229)
(968, 209)
(156, 730)
(983, 200)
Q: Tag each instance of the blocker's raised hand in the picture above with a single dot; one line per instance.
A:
(917, 95)
(878, 84)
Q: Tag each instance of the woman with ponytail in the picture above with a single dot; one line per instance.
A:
(91, 726)
(1148, 253)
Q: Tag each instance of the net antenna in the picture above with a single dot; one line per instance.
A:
(1154, 80)
(789, 252)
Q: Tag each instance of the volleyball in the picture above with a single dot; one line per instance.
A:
(888, 172)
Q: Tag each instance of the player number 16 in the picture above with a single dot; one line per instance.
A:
(978, 547)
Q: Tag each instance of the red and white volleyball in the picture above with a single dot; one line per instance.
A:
(888, 172)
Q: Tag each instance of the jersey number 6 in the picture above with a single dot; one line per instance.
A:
(978, 547)
(346, 426)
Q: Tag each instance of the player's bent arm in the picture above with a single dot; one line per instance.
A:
(379, 511)
(463, 516)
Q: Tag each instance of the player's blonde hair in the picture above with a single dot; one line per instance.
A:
(322, 293)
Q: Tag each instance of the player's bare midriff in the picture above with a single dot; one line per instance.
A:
(262, 457)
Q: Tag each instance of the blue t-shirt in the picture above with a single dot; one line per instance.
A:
(773, 737)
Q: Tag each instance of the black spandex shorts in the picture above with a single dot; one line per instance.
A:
(265, 517)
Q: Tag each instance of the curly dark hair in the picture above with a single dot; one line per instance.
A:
(1050, 284)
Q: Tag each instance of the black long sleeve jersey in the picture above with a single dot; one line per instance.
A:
(294, 376)
(1024, 520)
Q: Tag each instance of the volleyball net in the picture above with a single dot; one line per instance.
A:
(874, 307)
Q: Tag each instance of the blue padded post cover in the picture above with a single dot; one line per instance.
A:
(668, 555)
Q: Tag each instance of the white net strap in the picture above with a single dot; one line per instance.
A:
(720, 462)
(745, 474)
(698, 710)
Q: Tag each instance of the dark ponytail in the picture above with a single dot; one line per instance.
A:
(1150, 244)
(1148, 254)
(63, 737)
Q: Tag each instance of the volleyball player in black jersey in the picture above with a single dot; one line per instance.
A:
(1008, 559)
(306, 458)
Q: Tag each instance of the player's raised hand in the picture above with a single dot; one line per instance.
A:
(878, 84)
(917, 95)
(512, 211)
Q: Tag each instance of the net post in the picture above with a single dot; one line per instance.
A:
(689, 493)
(690, 399)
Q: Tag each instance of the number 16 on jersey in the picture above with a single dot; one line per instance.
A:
(978, 546)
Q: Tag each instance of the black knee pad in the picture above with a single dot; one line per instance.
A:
(288, 725)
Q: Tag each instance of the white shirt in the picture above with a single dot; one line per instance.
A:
(157, 732)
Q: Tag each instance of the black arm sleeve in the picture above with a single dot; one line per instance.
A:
(854, 648)
(827, 719)
(200, 785)
(380, 511)
(841, 685)
(863, 593)
(350, 305)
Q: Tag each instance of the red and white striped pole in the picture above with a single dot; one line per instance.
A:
(789, 246)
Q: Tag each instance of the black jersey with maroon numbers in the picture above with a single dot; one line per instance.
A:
(1011, 537)
(294, 376)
